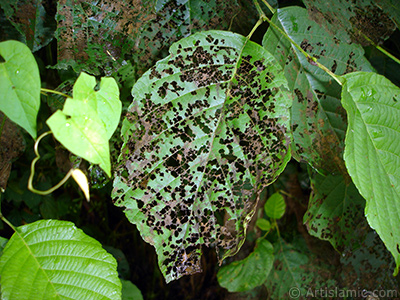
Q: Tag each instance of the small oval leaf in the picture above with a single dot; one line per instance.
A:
(275, 206)
(263, 224)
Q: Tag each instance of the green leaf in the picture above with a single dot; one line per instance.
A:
(318, 118)
(86, 138)
(369, 264)
(207, 129)
(297, 274)
(275, 206)
(246, 274)
(3, 242)
(19, 85)
(263, 224)
(52, 259)
(104, 101)
(372, 152)
(357, 18)
(335, 211)
(88, 120)
(130, 291)
(31, 20)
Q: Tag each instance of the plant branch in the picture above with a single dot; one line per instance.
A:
(30, 180)
(311, 59)
(44, 91)
(269, 6)
(381, 49)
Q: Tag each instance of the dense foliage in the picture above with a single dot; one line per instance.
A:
(254, 146)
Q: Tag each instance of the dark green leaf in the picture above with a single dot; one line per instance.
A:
(31, 20)
(335, 211)
(318, 119)
(246, 274)
(297, 274)
(207, 129)
(356, 17)
(372, 152)
(130, 291)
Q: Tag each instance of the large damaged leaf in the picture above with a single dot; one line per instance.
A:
(103, 36)
(318, 119)
(335, 211)
(361, 19)
(207, 129)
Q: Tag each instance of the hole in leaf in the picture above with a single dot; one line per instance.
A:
(2, 60)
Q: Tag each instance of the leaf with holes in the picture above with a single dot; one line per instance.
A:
(318, 119)
(52, 259)
(358, 18)
(88, 120)
(102, 36)
(372, 152)
(297, 273)
(207, 130)
(19, 85)
(246, 274)
(335, 211)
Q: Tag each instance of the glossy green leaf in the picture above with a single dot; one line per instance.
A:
(356, 17)
(372, 152)
(263, 224)
(130, 291)
(19, 85)
(52, 259)
(335, 211)
(275, 206)
(31, 20)
(207, 129)
(318, 119)
(246, 274)
(88, 120)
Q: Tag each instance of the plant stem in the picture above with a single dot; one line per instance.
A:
(269, 6)
(30, 180)
(43, 90)
(310, 58)
(381, 49)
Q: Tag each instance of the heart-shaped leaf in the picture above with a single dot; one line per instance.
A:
(88, 120)
(19, 85)
(207, 130)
